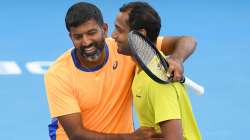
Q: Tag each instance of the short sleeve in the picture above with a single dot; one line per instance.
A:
(164, 100)
(61, 98)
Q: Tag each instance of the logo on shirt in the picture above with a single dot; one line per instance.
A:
(115, 64)
(138, 96)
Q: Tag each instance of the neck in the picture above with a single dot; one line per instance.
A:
(138, 66)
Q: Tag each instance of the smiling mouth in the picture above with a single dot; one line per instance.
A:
(90, 50)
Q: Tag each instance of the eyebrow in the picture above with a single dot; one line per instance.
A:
(91, 30)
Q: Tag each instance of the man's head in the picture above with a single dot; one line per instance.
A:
(138, 16)
(87, 30)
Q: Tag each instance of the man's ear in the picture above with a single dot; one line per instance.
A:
(105, 29)
(143, 32)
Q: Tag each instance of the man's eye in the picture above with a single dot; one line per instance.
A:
(118, 30)
(77, 37)
(92, 33)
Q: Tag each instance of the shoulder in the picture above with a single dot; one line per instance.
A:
(159, 42)
(110, 42)
(61, 64)
(159, 39)
(112, 46)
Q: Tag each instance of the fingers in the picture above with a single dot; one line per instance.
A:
(175, 69)
(146, 133)
(157, 135)
(171, 68)
(177, 76)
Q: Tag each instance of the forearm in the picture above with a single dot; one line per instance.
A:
(184, 47)
(72, 124)
(179, 47)
(171, 130)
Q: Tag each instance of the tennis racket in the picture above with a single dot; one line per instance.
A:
(153, 62)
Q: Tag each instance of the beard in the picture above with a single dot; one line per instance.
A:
(93, 51)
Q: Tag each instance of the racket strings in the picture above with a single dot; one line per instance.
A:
(143, 50)
(148, 56)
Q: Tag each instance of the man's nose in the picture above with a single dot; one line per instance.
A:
(114, 34)
(85, 41)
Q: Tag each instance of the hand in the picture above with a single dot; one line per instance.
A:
(175, 68)
(146, 133)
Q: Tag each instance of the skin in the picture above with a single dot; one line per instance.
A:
(120, 34)
(171, 129)
(85, 35)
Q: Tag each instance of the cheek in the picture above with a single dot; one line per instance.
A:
(76, 44)
(100, 41)
(125, 41)
(97, 38)
(124, 38)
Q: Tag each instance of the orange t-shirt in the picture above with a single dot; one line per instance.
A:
(102, 96)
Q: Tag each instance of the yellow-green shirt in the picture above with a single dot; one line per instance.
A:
(155, 102)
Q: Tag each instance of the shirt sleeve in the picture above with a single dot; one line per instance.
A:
(165, 103)
(61, 98)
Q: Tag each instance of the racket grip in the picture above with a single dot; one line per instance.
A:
(199, 90)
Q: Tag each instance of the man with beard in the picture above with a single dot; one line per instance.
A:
(88, 87)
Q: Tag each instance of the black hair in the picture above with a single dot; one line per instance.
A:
(143, 16)
(82, 12)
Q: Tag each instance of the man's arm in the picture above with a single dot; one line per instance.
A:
(72, 125)
(180, 48)
(171, 130)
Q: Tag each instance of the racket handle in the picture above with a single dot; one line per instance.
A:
(199, 90)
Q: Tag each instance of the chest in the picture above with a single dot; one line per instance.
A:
(105, 85)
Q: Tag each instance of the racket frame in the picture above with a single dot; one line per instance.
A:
(158, 54)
